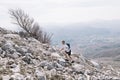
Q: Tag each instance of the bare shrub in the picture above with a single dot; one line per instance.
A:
(29, 26)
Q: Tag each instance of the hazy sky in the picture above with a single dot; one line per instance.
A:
(62, 11)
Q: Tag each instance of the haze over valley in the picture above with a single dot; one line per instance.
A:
(93, 40)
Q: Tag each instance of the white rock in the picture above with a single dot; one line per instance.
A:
(23, 49)
(5, 77)
(1, 51)
(86, 74)
(33, 40)
(3, 54)
(40, 75)
(53, 72)
(38, 72)
(29, 77)
(55, 56)
(78, 66)
(12, 36)
(56, 65)
(46, 53)
(61, 59)
(15, 55)
(17, 76)
(8, 45)
(62, 62)
(16, 69)
(81, 78)
(43, 63)
(116, 78)
(95, 64)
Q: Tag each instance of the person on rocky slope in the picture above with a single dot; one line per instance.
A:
(66, 50)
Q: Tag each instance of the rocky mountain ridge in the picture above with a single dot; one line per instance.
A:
(28, 59)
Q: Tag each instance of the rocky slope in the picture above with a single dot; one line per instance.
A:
(28, 59)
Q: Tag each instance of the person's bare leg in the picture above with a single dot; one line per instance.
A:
(70, 58)
(66, 56)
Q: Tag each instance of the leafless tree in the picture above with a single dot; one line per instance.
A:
(29, 25)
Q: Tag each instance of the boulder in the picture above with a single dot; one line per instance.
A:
(3, 54)
(27, 59)
(43, 64)
(50, 66)
(1, 51)
(81, 78)
(40, 75)
(95, 64)
(12, 36)
(46, 64)
(5, 77)
(15, 55)
(77, 68)
(51, 49)
(57, 65)
(41, 78)
(17, 76)
(55, 56)
(15, 68)
(8, 45)
(62, 62)
(22, 50)
(10, 62)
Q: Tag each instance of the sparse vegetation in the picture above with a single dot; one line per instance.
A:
(29, 26)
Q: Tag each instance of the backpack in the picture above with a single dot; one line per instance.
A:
(68, 45)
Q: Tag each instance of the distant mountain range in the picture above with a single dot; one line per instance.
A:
(71, 31)
(98, 39)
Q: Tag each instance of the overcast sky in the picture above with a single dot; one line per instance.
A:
(62, 11)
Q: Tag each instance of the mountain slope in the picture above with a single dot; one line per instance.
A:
(28, 59)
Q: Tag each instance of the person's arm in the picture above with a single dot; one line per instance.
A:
(61, 49)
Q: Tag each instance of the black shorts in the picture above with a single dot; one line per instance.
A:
(69, 53)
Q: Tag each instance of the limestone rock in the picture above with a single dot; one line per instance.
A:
(40, 75)
(17, 76)
(11, 36)
(1, 51)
